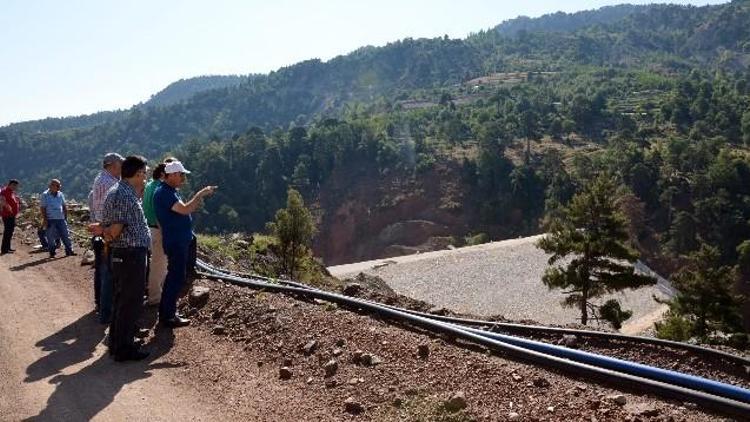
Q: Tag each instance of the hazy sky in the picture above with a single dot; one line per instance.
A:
(60, 58)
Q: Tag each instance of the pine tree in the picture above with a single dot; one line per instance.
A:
(294, 228)
(594, 233)
(705, 294)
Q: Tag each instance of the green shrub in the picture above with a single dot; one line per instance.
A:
(674, 327)
(477, 239)
(614, 314)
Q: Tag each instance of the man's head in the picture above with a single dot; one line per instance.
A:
(158, 173)
(113, 163)
(55, 185)
(13, 184)
(176, 174)
(134, 171)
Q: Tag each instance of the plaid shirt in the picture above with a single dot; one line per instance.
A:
(103, 182)
(122, 206)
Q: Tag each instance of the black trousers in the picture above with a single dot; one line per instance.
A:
(97, 245)
(9, 225)
(129, 279)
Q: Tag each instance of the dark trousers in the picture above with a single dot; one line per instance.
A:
(177, 259)
(128, 267)
(9, 225)
(191, 272)
(103, 290)
(42, 234)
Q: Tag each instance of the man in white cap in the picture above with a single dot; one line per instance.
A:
(177, 233)
(109, 176)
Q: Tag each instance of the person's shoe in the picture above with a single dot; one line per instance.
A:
(176, 322)
(137, 354)
(11, 250)
(71, 253)
(142, 333)
(52, 254)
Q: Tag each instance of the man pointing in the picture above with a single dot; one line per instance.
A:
(177, 233)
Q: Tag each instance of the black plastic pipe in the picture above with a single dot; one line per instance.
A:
(711, 401)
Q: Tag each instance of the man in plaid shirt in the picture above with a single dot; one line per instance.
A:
(126, 232)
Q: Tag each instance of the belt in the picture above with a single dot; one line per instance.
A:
(130, 249)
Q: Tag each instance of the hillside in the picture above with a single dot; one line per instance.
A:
(184, 89)
(569, 22)
(439, 140)
(661, 38)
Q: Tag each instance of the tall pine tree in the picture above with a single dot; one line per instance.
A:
(593, 232)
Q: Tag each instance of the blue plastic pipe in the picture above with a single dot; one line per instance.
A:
(633, 368)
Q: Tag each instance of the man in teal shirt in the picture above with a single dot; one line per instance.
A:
(157, 269)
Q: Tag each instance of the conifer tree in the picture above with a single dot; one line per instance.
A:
(294, 227)
(705, 294)
(593, 233)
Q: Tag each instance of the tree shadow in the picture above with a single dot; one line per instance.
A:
(85, 393)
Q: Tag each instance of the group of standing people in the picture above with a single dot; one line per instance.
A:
(53, 228)
(142, 238)
(142, 241)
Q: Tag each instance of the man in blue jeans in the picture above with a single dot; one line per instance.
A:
(108, 177)
(177, 234)
(54, 218)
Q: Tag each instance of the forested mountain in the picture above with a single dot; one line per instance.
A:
(639, 92)
(173, 93)
(51, 124)
(186, 88)
(666, 39)
(569, 22)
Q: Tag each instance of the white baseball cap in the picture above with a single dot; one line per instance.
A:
(175, 167)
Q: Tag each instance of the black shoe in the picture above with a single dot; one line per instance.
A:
(176, 322)
(71, 253)
(11, 250)
(52, 255)
(142, 333)
(137, 354)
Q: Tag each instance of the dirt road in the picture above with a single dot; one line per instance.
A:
(54, 366)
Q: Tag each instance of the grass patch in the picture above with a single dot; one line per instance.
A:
(422, 408)
(219, 245)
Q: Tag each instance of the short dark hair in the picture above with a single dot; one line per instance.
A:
(158, 171)
(13, 182)
(132, 165)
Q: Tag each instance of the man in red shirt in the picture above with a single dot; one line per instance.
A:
(9, 204)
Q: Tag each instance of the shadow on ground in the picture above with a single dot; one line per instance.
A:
(30, 264)
(81, 395)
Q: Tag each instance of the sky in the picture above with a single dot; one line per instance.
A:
(63, 58)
